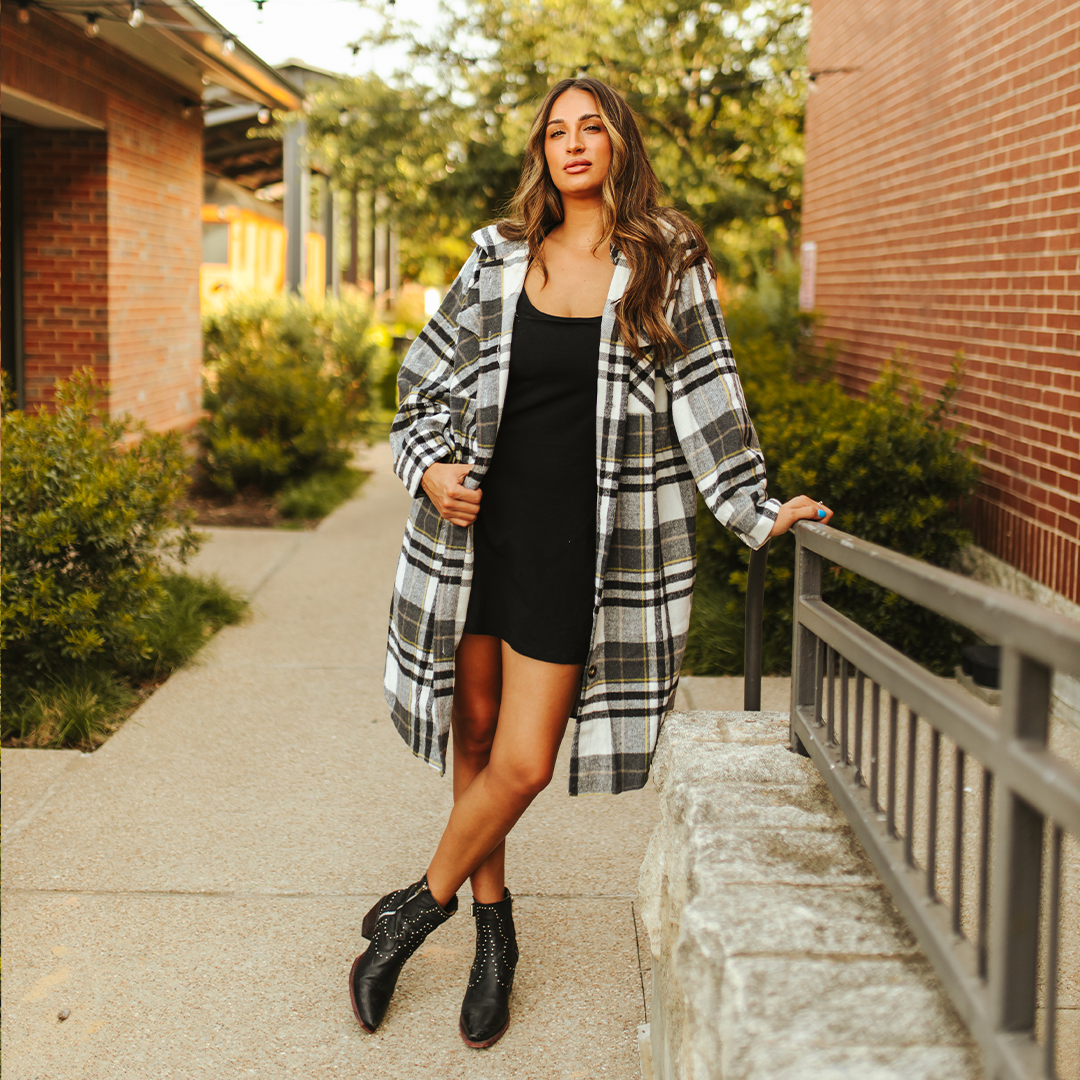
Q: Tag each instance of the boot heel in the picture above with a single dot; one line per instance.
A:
(396, 927)
(367, 927)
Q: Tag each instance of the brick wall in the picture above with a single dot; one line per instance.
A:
(943, 193)
(155, 250)
(65, 258)
(138, 252)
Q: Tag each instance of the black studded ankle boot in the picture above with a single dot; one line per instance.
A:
(485, 1012)
(396, 927)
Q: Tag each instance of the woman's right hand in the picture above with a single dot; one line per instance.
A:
(456, 504)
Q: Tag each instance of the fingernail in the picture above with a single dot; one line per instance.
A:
(821, 514)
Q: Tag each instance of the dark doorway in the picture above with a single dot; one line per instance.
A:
(11, 243)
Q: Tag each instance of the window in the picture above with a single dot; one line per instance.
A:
(215, 242)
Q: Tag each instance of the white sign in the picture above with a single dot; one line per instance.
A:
(807, 275)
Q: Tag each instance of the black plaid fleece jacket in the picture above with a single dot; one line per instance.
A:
(662, 433)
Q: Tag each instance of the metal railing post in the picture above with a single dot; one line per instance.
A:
(804, 654)
(755, 604)
(1018, 853)
(1002, 971)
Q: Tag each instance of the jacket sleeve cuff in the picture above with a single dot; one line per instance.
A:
(766, 520)
(412, 466)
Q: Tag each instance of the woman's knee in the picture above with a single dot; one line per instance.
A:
(474, 725)
(524, 779)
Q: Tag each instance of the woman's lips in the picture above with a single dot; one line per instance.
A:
(577, 166)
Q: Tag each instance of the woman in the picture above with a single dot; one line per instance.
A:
(558, 415)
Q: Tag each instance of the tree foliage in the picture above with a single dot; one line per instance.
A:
(719, 89)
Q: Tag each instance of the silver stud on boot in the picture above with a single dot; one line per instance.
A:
(485, 1012)
(396, 926)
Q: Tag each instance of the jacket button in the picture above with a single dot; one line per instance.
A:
(592, 670)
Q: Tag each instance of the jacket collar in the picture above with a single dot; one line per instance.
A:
(496, 246)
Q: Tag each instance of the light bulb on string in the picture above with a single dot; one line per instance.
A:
(137, 18)
(92, 28)
(24, 12)
(228, 46)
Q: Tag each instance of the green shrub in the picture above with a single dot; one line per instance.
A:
(287, 388)
(83, 704)
(83, 524)
(78, 710)
(194, 607)
(895, 470)
(317, 495)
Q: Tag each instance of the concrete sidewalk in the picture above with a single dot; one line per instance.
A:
(192, 892)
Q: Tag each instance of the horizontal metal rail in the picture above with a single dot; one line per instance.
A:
(881, 771)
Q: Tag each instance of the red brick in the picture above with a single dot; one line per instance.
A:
(112, 231)
(944, 204)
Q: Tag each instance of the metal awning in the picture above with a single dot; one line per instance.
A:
(184, 43)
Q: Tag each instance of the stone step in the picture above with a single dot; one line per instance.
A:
(777, 954)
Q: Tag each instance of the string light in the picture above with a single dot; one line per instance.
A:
(228, 45)
(24, 11)
(264, 116)
(137, 17)
(92, 28)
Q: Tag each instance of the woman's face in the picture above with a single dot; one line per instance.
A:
(576, 145)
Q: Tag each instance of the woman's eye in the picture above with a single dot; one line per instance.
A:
(552, 134)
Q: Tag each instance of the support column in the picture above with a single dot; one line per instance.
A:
(297, 205)
(373, 260)
(352, 275)
(329, 230)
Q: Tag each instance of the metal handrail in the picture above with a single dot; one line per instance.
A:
(755, 603)
(1026, 792)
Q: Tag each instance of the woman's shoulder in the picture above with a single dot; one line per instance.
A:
(685, 241)
(499, 240)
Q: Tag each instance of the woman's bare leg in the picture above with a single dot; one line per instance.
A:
(534, 707)
(477, 690)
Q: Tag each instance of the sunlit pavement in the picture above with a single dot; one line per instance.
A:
(192, 892)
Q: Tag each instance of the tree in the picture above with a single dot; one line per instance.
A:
(404, 145)
(719, 89)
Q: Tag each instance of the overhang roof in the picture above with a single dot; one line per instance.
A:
(233, 146)
(186, 44)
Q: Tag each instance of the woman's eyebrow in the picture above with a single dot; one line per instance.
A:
(583, 116)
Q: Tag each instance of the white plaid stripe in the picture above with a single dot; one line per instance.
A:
(661, 435)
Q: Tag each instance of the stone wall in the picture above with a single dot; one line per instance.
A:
(776, 952)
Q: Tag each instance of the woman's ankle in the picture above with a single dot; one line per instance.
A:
(441, 893)
(485, 894)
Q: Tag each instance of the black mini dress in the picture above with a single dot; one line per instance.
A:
(534, 539)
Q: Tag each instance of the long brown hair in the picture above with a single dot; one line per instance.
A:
(658, 242)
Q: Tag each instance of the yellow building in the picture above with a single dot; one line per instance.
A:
(244, 246)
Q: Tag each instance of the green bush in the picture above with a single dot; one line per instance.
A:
(78, 710)
(194, 607)
(84, 703)
(84, 521)
(317, 495)
(895, 469)
(287, 389)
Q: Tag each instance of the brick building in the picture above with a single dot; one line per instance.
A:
(942, 213)
(102, 192)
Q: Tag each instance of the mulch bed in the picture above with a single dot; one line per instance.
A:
(247, 509)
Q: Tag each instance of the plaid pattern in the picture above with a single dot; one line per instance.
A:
(662, 434)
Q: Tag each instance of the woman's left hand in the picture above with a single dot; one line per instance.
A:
(801, 508)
